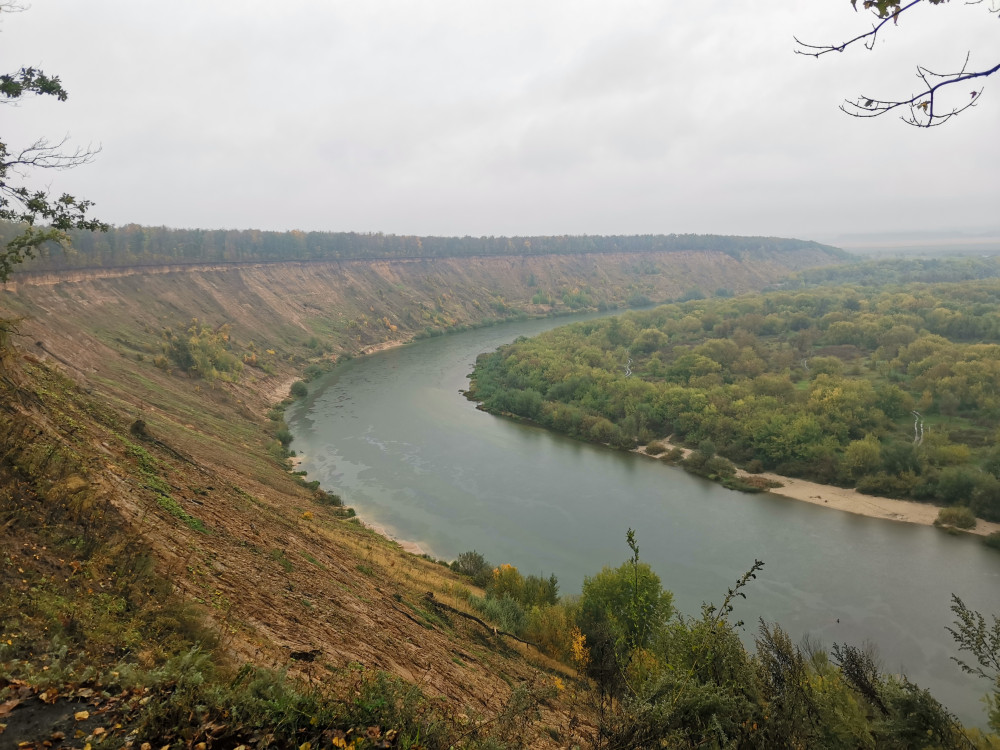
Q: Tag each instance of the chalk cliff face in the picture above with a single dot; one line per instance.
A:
(349, 305)
(141, 455)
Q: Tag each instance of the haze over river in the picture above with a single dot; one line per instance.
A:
(393, 435)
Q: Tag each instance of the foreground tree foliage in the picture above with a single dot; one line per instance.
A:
(37, 217)
(664, 679)
(895, 391)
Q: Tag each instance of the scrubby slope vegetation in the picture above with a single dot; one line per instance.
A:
(165, 578)
(128, 543)
(147, 508)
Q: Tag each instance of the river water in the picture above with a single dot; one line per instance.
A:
(394, 436)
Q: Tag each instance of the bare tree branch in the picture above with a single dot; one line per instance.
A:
(869, 37)
(924, 108)
(45, 155)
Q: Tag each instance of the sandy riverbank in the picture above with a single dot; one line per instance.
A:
(279, 391)
(851, 500)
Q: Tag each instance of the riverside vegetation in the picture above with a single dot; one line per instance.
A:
(169, 580)
(664, 679)
(892, 390)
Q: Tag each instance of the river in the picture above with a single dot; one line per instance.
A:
(394, 436)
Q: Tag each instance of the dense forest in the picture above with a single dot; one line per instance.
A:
(132, 245)
(893, 390)
(880, 273)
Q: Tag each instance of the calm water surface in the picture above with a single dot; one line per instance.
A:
(394, 436)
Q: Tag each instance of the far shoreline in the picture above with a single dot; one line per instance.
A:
(850, 500)
(824, 495)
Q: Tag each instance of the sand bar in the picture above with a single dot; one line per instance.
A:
(851, 500)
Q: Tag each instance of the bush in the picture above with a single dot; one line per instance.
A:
(621, 610)
(506, 581)
(673, 456)
(717, 466)
(475, 566)
(992, 540)
(656, 448)
(750, 484)
(538, 591)
(958, 516)
(328, 498)
(887, 485)
(299, 389)
(505, 613)
(550, 629)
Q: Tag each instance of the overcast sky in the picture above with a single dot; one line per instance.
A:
(456, 117)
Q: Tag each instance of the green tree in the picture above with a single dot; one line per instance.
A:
(863, 456)
(43, 217)
(473, 565)
(982, 642)
(621, 610)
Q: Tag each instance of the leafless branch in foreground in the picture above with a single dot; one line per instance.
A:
(42, 154)
(923, 109)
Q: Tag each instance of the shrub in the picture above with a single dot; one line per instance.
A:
(751, 484)
(958, 516)
(621, 610)
(673, 456)
(506, 581)
(887, 485)
(538, 591)
(505, 613)
(550, 629)
(299, 389)
(328, 498)
(992, 540)
(656, 448)
(459, 591)
(312, 372)
(717, 466)
(473, 565)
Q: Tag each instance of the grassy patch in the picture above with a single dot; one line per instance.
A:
(279, 556)
(173, 508)
(313, 560)
(149, 470)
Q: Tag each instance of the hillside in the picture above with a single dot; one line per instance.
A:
(146, 502)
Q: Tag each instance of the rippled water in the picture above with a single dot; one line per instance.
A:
(392, 434)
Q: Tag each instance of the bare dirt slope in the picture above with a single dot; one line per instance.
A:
(99, 427)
